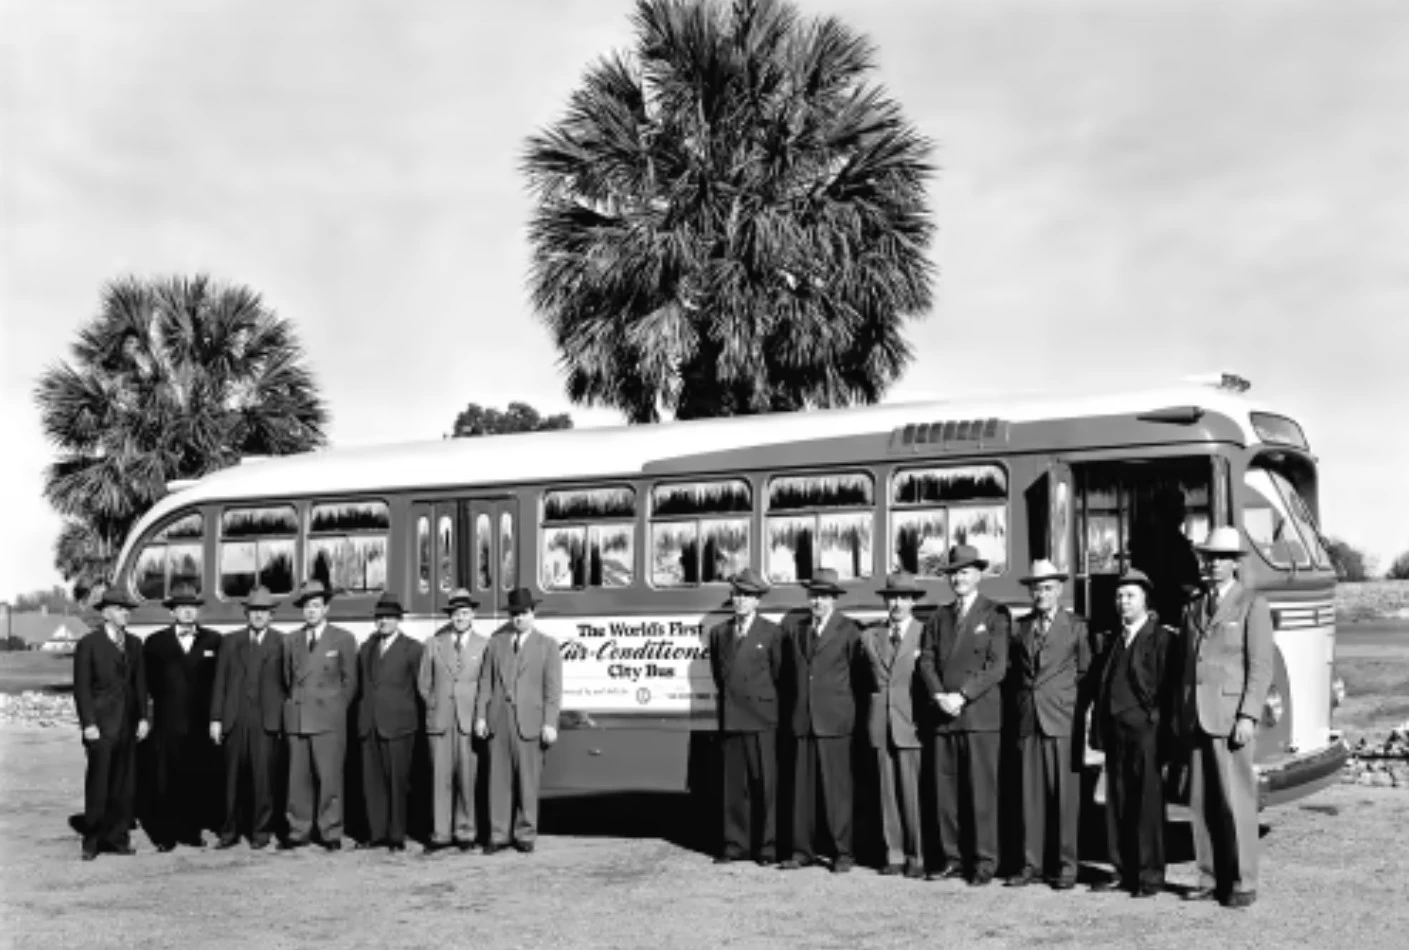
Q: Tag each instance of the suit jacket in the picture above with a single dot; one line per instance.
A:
(249, 680)
(1047, 683)
(1227, 662)
(181, 683)
(529, 683)
(897, 696)
(109, 684)
(823, 676)
(1148, 668)
(448, 681)
(388, 705)
(969, 657)
(319, 687)
(746, 674)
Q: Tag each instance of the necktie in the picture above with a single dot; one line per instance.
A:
(1044, 622)
(312, 640)
(518, 639)
(894, 636)
(459, 641)
(1212, 602)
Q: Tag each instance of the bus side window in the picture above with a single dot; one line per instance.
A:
(508, 564)
(257, 547)
(347, 545)
(934, 508)
(484, 550)
(423, 554)
(173, 555)
(699, 532)
(820, 521)
(588, 537)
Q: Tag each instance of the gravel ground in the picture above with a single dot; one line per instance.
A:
(1336, 874)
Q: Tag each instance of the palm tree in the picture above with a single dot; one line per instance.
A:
(730, 219)
(174, 378)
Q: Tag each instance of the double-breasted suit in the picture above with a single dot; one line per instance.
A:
(967, 654)
(110, 693)
(896, 702)
(746, 662)
(181, 681)
(320, 683)
(247, 702)
(448, 681)
(388, 716)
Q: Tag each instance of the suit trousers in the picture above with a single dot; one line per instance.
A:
(1135, 808)
(1051, 797)
(251, 768)
(515, 771)
(822, 769)
(182, 793)
(454, 770)
(386, 784)
(109, 786)
(315, 782)
(750, 767)
(966, 792)
(900, 805)
(1223, 805)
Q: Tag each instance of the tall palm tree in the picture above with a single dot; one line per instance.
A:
(174, 378)
(730, 218)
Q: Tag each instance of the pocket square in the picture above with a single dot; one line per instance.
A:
(981, 628)
(758, 646)
(210, 653)
(331, 653)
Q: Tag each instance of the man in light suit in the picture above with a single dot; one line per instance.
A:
(825, 669)
(963, 658)
(388, 715)
(320, 683)
(246, 711)
(746, 661)
(449, 685)
(1048, 662)
(893, 648)
(1227, 662)
(520, 696)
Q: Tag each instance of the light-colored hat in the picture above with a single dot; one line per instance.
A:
(1224, 541)
(460, 597)
(1043, 570)
(260, 599)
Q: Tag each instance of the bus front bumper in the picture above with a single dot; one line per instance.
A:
(1296, 776)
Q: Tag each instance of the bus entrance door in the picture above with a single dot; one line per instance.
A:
(464, 542)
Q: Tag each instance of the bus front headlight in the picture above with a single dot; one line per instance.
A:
(1337, 692)
(1273, 707)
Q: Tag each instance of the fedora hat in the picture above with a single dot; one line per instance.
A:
(824, 581)
(183, 595)
(460, 597)
(1133, 575)
(388, 606)
(902, 584)
(748, 581)
(260, 599)
(1225, 541)
(962, 556)
(115, 597)
(521, 599)
(1043, 570)
(311, 589)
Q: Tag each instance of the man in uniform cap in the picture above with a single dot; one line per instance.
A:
(1227, 666)
(746, 661)
(246, 710)
(963, 658)
(449, 684)
(181, 661)
(387, 718)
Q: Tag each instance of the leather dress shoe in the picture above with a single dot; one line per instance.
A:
(843, 865)
(796, 862)
(259, 842)
(1027, 877)
(89, 855)
(1202, 894)
(126, 850)
(729, 857)
(981, 878)
(1064, 884)
(492, 849)
(947, 873)
(914, 872)
(1105, 885)
(891, 870)
(164, 848)
(293, 844)
(224, 843)
(364, 845)
(396, 847)
(467, 846)
(763, 860)
(195, 841)
(1239, 900)
(523, 847)
(1148, 890)
(332, 845)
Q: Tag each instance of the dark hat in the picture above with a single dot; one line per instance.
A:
(388, 606)
(962, 556)
(1135, 576)
(902, 584)
(183, 595)
(521, 599)
(115, 597)
(311, 589)
(260, 599)
(1043, 570)
(748, 581)
(460, 597)
(824, 581)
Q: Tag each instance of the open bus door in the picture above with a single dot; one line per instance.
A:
(1051, 523)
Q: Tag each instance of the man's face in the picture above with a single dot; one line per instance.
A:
(1220, 568)
(462, 618)
(314, 610)
(258, 618)
(965, 580)
(744, 604)
(522, 620)
(822, 604)
(1130, 602)
(899, 607)
(186, 614)
(117, 616)
(388, 625)
(1046, 595)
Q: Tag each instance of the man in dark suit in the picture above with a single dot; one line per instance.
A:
(897, 698)
(1048, 662)
(387, 717)
(520, 697)
(246, 709)
(746, 660)
(824, 670)
(110, 692)
(1128, 711)
(963, 658)
(180, 661)
(320, 682)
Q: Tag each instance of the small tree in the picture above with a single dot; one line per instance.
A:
(1399, 570)
(519, 417)
(1348, 561)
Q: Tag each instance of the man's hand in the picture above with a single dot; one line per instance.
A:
(550, 735)
(215, 733)
(1243, 732)
(951, 703)
(90, 733)
(142, 730)
(481, 729)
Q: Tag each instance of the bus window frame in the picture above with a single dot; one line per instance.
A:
(762, 487)
(650, 521)
(942, 463)
(306, 538)
(147, 539)
(541, 493)
(299, 515)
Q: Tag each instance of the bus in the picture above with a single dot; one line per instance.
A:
(628, 537)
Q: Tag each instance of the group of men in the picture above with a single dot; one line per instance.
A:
(272, 703)
(1160, 700)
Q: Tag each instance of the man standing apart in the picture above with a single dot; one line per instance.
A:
(746, 660)
(1228, 663)
(387, 717)
(320, 681)
(110, 691)
(448, 681)
(246, 707)
(520, 695)
(893, 648)
(1049, 660)
(180, 661)
(963, 658)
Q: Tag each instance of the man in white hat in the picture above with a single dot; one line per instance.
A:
(1048, 661)
(1227, 669)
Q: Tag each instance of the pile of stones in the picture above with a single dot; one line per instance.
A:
(1383, 762)
(39, 709)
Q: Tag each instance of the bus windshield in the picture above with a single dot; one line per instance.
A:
(1278, 516)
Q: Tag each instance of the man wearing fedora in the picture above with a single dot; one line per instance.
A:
(180, 661)
(320, 683)
(448, 682)
(824, 670)
(746, 661)
(963, 658)
(1049, 658)
(1128, 709)
(897, 698)
(1227, 666)
(516, 709)
(246, 709)
(388, 715)
(110, 693)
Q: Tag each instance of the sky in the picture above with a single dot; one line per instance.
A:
(1128, 194)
